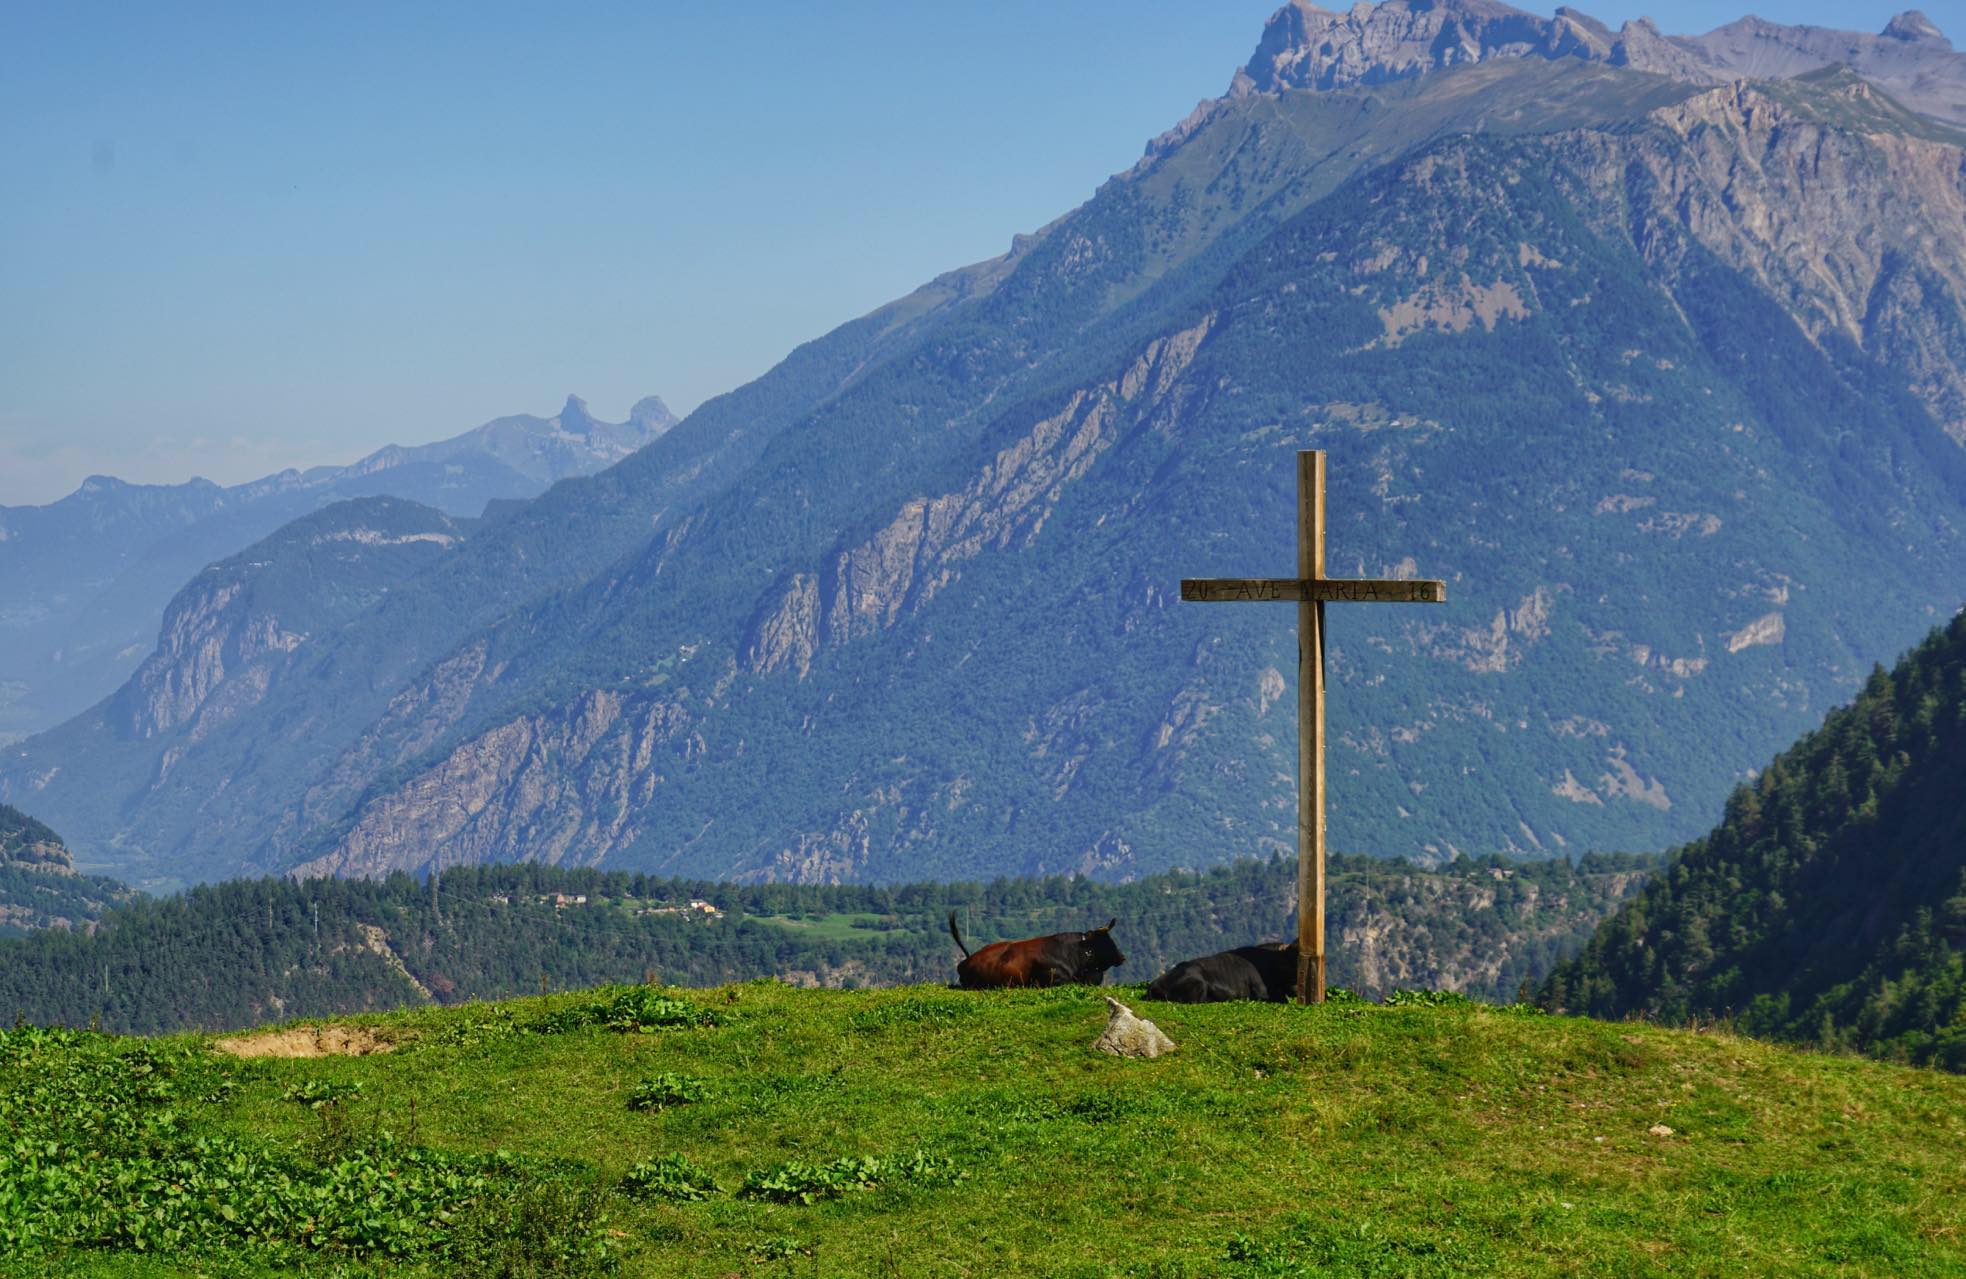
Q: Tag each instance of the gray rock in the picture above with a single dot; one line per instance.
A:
(1129, 1036)
(1308, 47)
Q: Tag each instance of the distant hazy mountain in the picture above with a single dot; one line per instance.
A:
(1666, 377)
(83, 581)
(230, 635)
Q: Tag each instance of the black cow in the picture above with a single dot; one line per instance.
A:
(1061, 959)
(1265, 972)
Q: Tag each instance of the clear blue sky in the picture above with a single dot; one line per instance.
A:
(239, 237)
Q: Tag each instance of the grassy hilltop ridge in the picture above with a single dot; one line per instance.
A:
(924, 1131)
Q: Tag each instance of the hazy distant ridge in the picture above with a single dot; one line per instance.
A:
(83, 580)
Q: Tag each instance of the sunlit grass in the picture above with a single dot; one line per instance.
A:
(1342, 1140)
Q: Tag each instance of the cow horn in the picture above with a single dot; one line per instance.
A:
(1109, 925)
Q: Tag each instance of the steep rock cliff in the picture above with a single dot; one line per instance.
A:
(224, 636)
(1308, 47)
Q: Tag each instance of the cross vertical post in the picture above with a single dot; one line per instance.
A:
(1310, 733)
(1310, 589)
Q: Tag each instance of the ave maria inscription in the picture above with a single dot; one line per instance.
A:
(1218, 590)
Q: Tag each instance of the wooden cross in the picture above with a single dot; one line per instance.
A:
(1310, 589)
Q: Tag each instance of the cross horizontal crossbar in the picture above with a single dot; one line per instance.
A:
(1219, 590)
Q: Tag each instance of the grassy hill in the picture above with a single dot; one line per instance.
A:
(923, 1131)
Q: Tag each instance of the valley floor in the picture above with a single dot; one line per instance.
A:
(924, 1131)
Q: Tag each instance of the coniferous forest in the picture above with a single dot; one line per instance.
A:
(1829, 905)
(247, 951)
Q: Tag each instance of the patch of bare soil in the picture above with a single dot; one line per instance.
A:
(307, 1041)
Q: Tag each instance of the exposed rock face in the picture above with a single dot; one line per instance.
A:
(865, 587)
(1911, 25)
(225, 635)
(1307, 47)
(652, 414)
(51, 894)
(1501, 644)
(28, 845)
(1862, 234)
(564, 789)
(1387, 951)
(205, 638)
(52, 858)
(1643, 47)
(414, 722)
(1766, 629)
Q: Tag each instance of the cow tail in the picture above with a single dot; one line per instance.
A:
(958, 936)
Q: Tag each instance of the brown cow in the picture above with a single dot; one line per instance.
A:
(1061, 959)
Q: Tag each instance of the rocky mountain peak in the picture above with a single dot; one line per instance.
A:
(1641, 46)
(1304, 46)
(1913, 25)
(652, 413)
(1307, 47)
(574, 415)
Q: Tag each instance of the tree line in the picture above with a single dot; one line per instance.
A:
(1829, 905)
(243, 952)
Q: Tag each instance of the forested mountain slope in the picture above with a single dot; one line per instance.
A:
(1665, 378)
(1829, 906)
(234, 954)
(84, 580)
(29, 844)
(38, 884)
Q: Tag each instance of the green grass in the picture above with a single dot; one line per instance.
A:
(938, 1132)
(858, 926)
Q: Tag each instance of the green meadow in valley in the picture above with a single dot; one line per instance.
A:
(759, 1129)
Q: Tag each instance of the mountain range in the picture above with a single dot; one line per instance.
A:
(1653, 349)
(84, 581)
